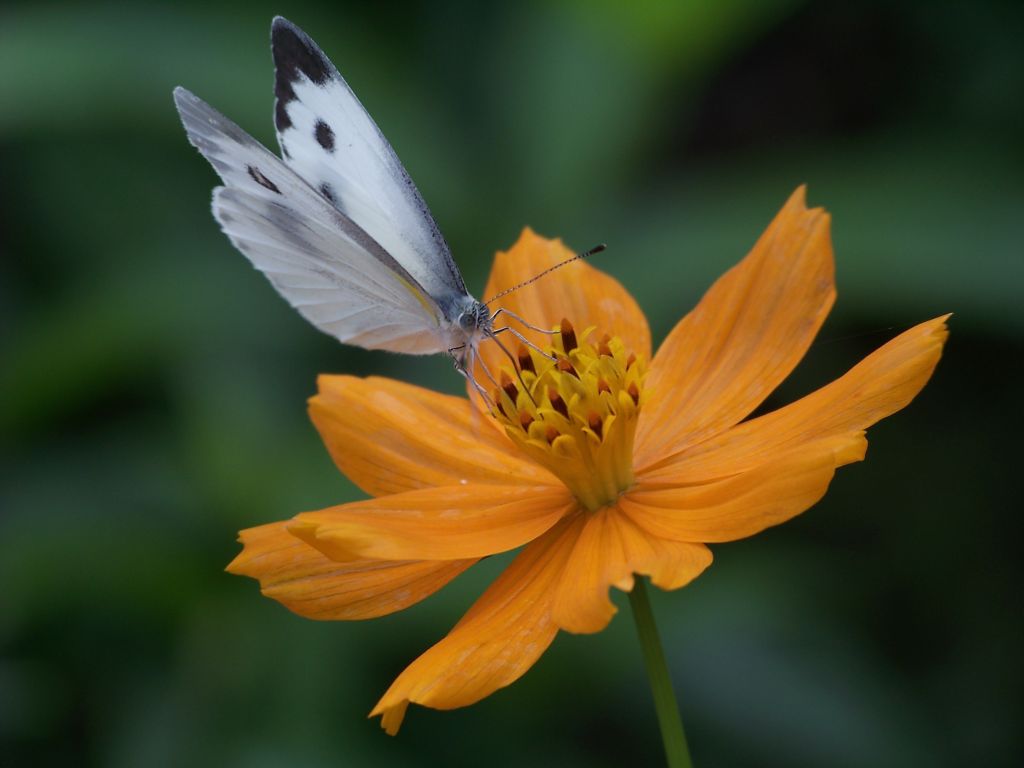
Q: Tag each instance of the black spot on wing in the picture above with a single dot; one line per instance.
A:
(262, 180)
(324, 135)
(328, 192)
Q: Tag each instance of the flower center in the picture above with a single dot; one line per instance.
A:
(576, 414)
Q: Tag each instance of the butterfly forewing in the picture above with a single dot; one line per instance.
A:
(323, 263)
(332, 142)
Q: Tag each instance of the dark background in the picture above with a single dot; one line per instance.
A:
(152, 385)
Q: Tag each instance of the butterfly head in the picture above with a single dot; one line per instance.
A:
(474, 318)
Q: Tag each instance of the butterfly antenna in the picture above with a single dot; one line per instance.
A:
(586, 254)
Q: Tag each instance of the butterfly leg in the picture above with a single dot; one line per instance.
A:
(521, 321)
(464, 365)
(525, 341)
(487, 371)
(515, 365)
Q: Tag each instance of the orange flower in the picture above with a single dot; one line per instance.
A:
(605, 463)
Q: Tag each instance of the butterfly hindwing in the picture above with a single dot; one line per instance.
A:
(322, 262)
(332, 142)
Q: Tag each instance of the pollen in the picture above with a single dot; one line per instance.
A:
(575, 410)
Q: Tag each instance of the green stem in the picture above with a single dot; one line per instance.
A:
(676, 751)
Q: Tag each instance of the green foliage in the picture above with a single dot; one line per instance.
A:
(153, 385)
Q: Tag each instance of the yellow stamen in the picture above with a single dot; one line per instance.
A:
(580, 414)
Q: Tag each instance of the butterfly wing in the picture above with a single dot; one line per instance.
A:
(329, 140)
(326, 266)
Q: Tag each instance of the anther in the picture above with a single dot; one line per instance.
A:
(557, 402)
(634, 392)
(566, 367)
(525, 420)
(602, 346)
(603, 386)
(630, 360)
(525, 360)
(509, 386)
(568, 336)
(595, 424)
(551, 434)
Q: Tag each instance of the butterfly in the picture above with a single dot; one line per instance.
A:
(336, 224)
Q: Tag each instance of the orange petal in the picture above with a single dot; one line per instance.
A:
(740, 506)
(744, 337)
(389, 437)
(447, 523)
(583, 294)
(610, 549)
(306, 582)
(881, 384)
(500, 637)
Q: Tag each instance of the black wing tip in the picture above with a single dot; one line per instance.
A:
(281, 24)
(294, 51)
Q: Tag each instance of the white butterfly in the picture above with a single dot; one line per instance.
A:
(338, 227)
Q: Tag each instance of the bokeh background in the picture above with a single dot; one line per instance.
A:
(152, 385)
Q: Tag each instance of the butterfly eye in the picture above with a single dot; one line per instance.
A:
(467, 321)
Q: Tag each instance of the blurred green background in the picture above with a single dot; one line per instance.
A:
(153, 385)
